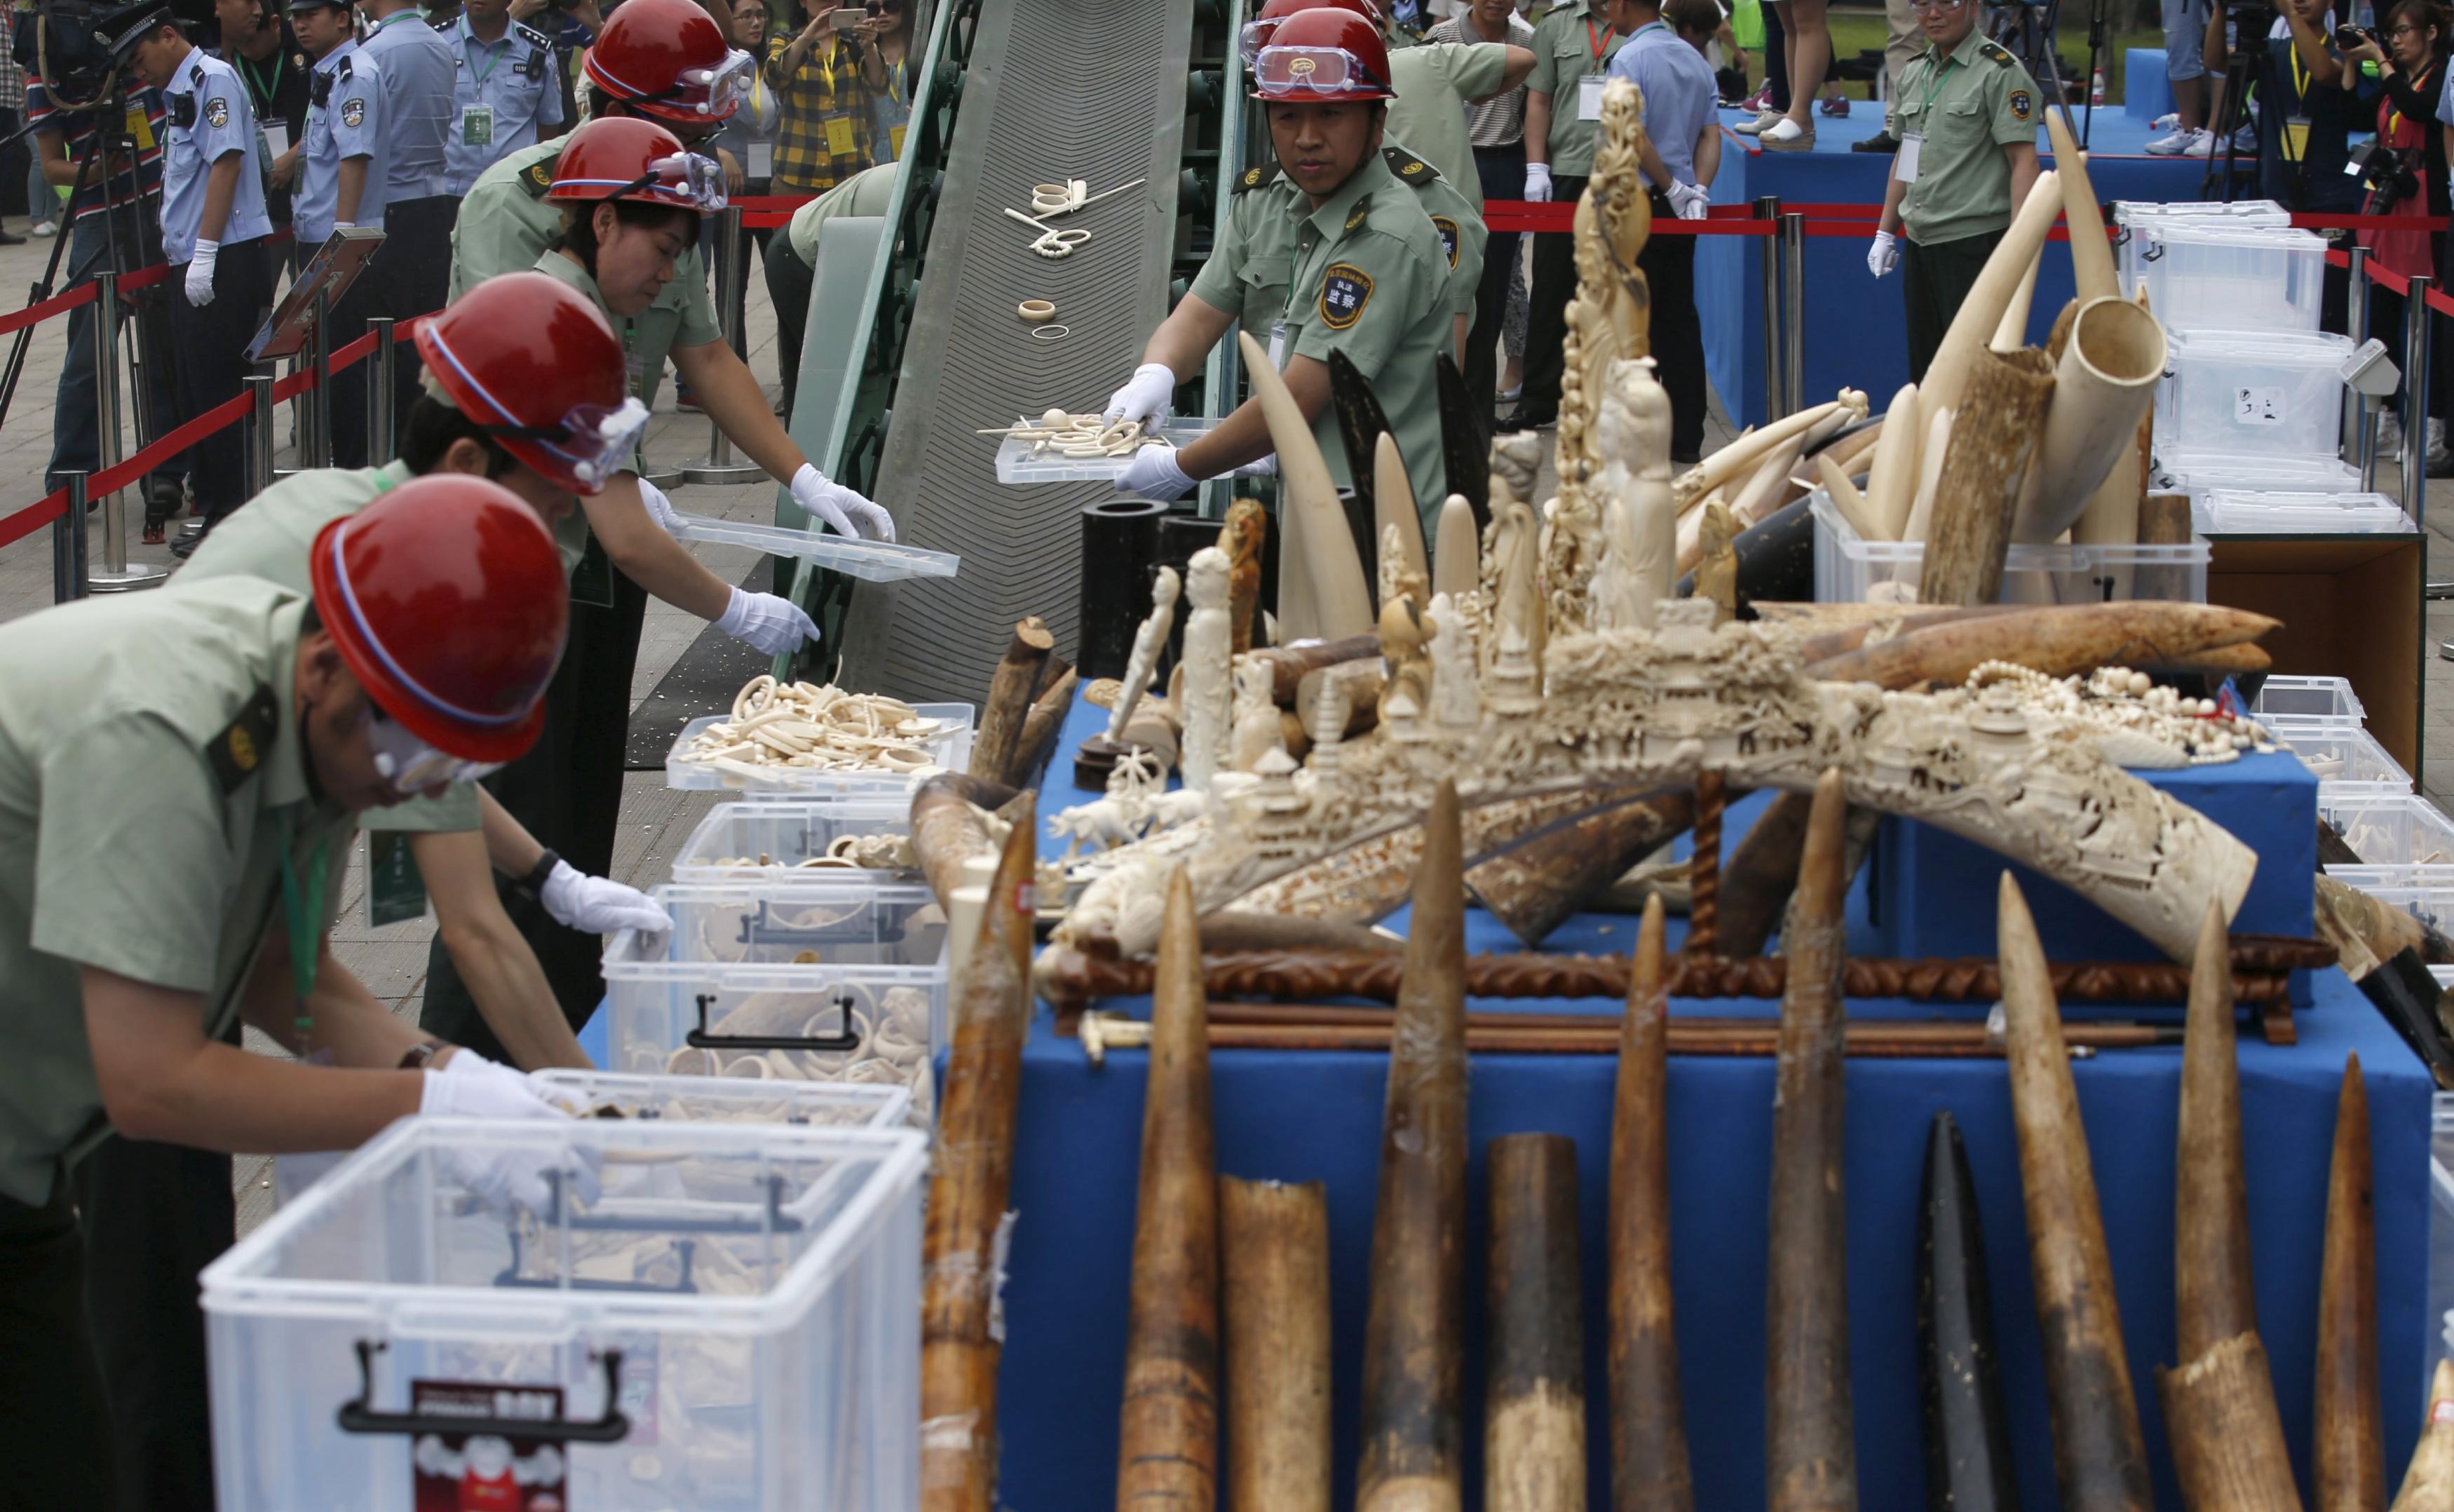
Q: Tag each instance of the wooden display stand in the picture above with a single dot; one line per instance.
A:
(2350, 606)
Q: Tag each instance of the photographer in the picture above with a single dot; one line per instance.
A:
(2405, 174)
(2305, 103)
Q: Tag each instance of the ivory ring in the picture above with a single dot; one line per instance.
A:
(1049, 332)
(1038, 311)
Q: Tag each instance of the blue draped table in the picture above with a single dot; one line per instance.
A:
(1301, 1116)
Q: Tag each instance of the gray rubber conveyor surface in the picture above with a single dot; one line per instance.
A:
(1056, 90)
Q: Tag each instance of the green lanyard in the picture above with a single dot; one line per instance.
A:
(493, 59)
(263, 91)
(1926, 111)
(306, 932)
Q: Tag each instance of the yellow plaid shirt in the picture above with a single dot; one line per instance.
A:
(824, 134)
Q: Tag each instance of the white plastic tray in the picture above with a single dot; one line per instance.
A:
(1017, 468)
(728, 1100)
(872, 561)
(951, 750)
(2236, 512)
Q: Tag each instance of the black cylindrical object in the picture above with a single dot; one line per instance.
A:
(1967, 1429)
(1120, 557)
(1775, 559)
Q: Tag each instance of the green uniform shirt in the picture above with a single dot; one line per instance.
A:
(866, 193)
(1967, 106)
(1573, 41)
(1434, 82)
(1370, 279)
(151, 772)
(1246, 275)
(505, 222)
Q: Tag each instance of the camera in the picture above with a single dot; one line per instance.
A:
(87, 43)
(2346, 38)
(2389, 174)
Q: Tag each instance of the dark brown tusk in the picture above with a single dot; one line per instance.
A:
(959, 1348)
(1008, 699)
(950, 826)
(2347, 1469)
(1275, 1263)
(1413, 1337)
(1649, 1470)
(1167, 1443)
(1534, 887)
(1969, 1465)
(1534, 1422)
(1760, 875)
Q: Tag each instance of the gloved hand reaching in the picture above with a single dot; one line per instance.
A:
(1259, 467)
(660, 508)
(469, 1085)
(1144, 397)
(1885, 254)
(199, 287)
(599, 905)
(840, 507)
(1690, 200)
(766, 623)
(1538, 183)
(1154, 475)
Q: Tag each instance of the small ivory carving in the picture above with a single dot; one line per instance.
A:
(1406, 634)
(1208, 695)
(1148, 642)
(1256, 731)
(1517, 622)
(1456, 697)
(1633, 437)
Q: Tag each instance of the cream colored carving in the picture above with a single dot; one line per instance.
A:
(1208, 649)
(1148, 642)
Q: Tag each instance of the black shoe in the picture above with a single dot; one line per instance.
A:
(186, 546)
(12, 239)
(1880, 142)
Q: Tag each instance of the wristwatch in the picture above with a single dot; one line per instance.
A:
(538, 875)
(421, 1053)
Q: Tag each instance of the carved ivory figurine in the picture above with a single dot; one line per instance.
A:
(1208, 647)
(1147, 643)
(1640, 516)
(1257, 731)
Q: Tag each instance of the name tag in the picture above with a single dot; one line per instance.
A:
(1904, 161)
(762, 160)
(1279, 345)
(839, 138)
(476, 125)
(140, 127)
(1589, 97)
(277, 138)
(895, 141)
(2296, 138)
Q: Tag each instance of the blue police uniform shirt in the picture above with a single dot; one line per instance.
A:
(1679, 91)
(347, 122)
(416, 67)
(516, 85)
(210, 118)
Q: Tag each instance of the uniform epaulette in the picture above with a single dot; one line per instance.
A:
(242, 744)
(341, 70)
(1993, 51)
(1361, 212)
(538, 178)
(445, 25)
(1253, 178)
(531, 36)
(1409, 169)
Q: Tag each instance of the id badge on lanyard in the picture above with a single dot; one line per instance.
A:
(476, 125)
(1278, 346)
(1904, 162)
(1589, 96)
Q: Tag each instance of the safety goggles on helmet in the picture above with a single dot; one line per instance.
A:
(410, 765)
(1253, 37)
(1285, 72)
(727, 86)
(593, 441)
(683, 180)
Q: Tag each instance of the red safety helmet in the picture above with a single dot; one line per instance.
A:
(534, 364)
(1258, 32)
(446, 598)
(621, 157)
(1328, 54)
(668, 59)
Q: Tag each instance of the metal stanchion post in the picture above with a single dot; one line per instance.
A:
(2415, 398)
(1768, 208)
(1793, 314)
(718, 466)
(383, 372)
(260, 421)
(116, 576)
(318, 441)
(2358, 428)
(68, 543)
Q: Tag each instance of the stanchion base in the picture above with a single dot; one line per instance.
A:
(138, 575)
(704, 471)
(663, 477)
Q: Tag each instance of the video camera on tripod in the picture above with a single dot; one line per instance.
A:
(80, 49)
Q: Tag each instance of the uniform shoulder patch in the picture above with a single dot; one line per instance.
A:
(1344, 290)
(2021, 105)
(538, 178)
(1409, 169)
(1449, 238)
(217, 111)
(353, 112)
(1253, 178)
(1361, 212)
(243, 744)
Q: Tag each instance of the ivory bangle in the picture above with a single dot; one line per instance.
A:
(1036, 312)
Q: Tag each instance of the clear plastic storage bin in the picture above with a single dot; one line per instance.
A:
(2391, 829)
(2267, 394)
(950, 748)
(1849, 569)
(2427, 893)
(2203, 275)
(726, 1100)
(1017, 468)
(2286, 697)
(719, 1317)
(771, 840)
(2197, 472)
(822, 981)
(2348, 763)
(2234, 512)
(2134, 219)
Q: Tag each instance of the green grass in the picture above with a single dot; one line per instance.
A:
(1855, 31)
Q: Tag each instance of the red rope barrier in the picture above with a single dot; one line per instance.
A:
(56, 305)
(34, 517)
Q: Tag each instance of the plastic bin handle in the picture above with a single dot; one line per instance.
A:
(357, 1417)
(702, 1039)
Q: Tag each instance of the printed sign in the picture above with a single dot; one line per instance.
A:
(486, 1472)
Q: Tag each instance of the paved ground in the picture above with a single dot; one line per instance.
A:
(655, 820)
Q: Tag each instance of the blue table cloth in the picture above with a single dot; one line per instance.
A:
(1316, 1116)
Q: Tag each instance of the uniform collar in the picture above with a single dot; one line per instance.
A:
(331, 60)
(1959, 50)
(461, 25)
(1330, 220)
(285, 771)
(557, 265)
(395, 19)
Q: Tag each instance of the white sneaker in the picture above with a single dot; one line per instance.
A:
(47, 228)
(2176, 144)
(2169, 121)
(1760, 124)
(2201, 144)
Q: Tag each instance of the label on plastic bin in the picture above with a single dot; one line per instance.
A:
(2258, 406)
(486, 1472)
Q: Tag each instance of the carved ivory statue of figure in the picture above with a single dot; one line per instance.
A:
(1456, 697)
(1513, 649)
(1208, 649)
(1406, 697)
(1639, 517)
(1148, 642)
(1257, 732)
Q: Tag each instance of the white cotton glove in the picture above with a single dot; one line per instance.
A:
(469, 1085)
(600, 905)
(765, 622)
(200, 273)
(501, 1177)
(1690, 200)
(1884, 254)
(345, 225)
(1259, 467)
(1538, 183)
(840, 507)
(1154, 475)
(660, 508)
(1144, 397)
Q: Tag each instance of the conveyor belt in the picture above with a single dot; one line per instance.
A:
(1056, 90)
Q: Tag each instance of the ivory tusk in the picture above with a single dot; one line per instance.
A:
(1456, 558)
(2091, 254)
(2106, 377)
(1946, 376)
(1393, 503)
(1741, 456)
(1891, 480)
(1938, 441)
(2012, 333)
(1336, 600)
(1846, 499)
(2110, 517)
